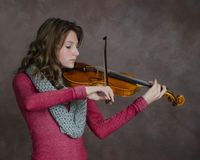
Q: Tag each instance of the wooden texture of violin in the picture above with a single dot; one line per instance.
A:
(84, 74)
(121, 84)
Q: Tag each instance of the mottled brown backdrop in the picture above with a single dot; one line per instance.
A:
(151, 39)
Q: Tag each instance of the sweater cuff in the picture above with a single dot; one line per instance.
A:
(141, 104)
(79, 92)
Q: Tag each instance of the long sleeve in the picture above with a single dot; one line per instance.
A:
(103, 127)
(30, 99)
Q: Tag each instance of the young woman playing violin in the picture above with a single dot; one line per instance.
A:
(56, 114)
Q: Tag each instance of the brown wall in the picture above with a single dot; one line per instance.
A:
(152, 39)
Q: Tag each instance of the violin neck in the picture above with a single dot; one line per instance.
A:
(123, 77)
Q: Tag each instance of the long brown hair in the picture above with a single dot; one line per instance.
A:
(42, 51)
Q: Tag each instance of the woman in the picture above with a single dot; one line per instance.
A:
(56, 115)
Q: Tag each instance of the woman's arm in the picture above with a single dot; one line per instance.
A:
(103, 127)
(30, 99)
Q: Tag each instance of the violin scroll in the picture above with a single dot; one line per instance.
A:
(178, 100)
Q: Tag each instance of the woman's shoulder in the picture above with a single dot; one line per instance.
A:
(21, 78)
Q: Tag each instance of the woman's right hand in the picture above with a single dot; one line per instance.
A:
(155, 92)
(100, 93)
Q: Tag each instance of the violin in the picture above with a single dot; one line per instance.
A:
(122, 84)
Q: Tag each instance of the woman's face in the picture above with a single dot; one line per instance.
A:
(68, 52)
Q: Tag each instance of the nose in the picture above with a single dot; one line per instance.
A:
(76, 52)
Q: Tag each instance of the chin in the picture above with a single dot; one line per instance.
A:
(69, 66)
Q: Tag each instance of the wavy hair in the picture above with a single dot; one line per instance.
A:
(42, 52)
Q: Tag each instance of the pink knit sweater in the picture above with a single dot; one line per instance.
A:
(47, 140)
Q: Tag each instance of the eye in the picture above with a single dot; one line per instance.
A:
(68, 47)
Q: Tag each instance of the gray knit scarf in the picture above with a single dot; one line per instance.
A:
(71, 122)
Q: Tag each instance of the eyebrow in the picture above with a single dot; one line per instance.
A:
(71, 42)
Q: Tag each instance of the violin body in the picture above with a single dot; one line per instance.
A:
(92, 77)
(122, 84)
